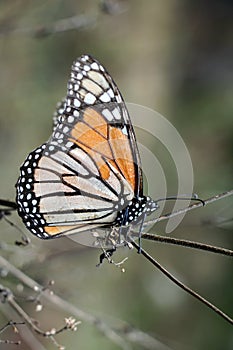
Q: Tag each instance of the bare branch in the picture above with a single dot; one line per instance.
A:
(189, 208)
(10, 205)
(27, 335)
(70, 322)
(78, 22)
(113, 7)
(142, 339)
(11, 324)
(64, 305)
(187, 243)
(115, 335)
(180, 284)
(15, 329)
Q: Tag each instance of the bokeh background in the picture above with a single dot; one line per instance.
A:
(175, 57)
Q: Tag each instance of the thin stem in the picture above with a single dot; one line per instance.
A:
(70, 323)
(10, 324)
(186, 243)
(64, 305)
(116, 335)
(191, 207)
(11, 301)
(24, 239)
(9, 204)
(77, 22)
(180, 284)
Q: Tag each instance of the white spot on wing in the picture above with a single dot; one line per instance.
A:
(95, 66)
(105, 97)
(76, 87)
(69, 144)
(70, 119)
(79, 76)
(116, 113)
(124, 130)
(89, 98)
(77, 103)
(107, 114)
(110, 92)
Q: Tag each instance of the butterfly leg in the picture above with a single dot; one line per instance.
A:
(123, 230)
(140, 232)
(107, 254)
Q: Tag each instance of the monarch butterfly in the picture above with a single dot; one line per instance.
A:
(88, 174)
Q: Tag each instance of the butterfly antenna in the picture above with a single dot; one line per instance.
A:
(181, 284)
(184, 198)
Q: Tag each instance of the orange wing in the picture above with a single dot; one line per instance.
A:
(96, 111)
(104, 141)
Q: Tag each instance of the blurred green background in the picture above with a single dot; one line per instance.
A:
(175, 57)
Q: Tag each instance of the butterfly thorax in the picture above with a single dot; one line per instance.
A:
(135, 209)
